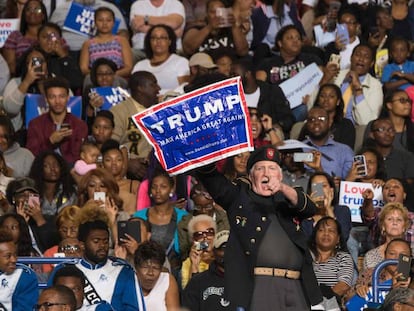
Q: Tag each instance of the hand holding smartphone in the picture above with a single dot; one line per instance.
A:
(361, 165)
(33, 199)
(132, 228)
(404, 267)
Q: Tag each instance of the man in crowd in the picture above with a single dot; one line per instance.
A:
(106, 278)
(144, 94)
(205, 291)
(57, 129)
(56, 296)
(18, 283)
(331, 157)
(263, 213)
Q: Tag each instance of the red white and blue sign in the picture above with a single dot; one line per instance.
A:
(198, 128)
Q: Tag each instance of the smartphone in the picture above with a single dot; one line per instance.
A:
(133, 228)
(342, 32)
(404, 267)
(334, 7)
(201, 246)
(362, 165)
(65, 126)
(302, 157)
(317, 188)
(33, 199)
(336, 59)
(99, 196)
(223, 14)
(37, 64)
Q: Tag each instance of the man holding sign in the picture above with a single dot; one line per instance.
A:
(264, 212)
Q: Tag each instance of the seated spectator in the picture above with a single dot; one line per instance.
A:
(201, 230)
(361, 92)
(330, 99)
(22, 293)
(146, 14)
(75, 40)
(164, 217)
(89, 154)
(73, 278)
(394, 222)
(5, 77)
(398, 298)
(144, 90)
(333, 265)
(55, 184)
(397, 107)
(200, 64)
(57, 295)
(159, 288)
(57, 129)
(327, 206)
(267, 20)
(59, 61)
(331, 157)
(34, 15)
(29, 82)
(388, 276)
(397, 161)
(210, 280)
(215, 38)
(224, 63)
(339, 47)
(18, 159)
(203, 205)
(103, 74)
(114, 161)
(290, 61)
(67, 227)
(102, 127)
(266, 97)
(169, 69)
(105, 44)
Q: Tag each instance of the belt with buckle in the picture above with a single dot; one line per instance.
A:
(282, 273)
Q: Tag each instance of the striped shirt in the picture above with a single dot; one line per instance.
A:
(338, 268)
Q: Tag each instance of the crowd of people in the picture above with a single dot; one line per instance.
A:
(261, 230)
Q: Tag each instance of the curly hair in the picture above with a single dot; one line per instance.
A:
(108, 181)
(68, 213)
(91, 211)
(65, 178)
(149, 250)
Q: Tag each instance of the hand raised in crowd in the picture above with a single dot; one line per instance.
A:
(266, 122)
(129, 243)
(111, 209)
(368, 194)
(59, 135)
(35, 211)
(316, 163)
(21, 210)
(398, 282)
(340, 42)
(95, 100)
(57, 47)
(376, 183)
(195, 258)
(353, 172)
(32, 75)
(330, 71)
(180, 203)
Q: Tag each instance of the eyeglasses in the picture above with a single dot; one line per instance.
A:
(403, 100)
(199, 235)
(69, 249)
(314, 119)
(47, 305)
(159, 38)
(36, 10)
(390, 130)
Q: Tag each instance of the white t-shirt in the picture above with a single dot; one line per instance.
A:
(155, 300)
(166, 73)
(145, 7)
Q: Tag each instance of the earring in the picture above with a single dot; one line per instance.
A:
(150, 195)
(171, 195)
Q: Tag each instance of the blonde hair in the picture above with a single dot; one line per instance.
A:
(390, 207)
(91, 211)
(68, 213)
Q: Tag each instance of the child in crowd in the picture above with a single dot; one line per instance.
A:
(399, 74)
(88, 157)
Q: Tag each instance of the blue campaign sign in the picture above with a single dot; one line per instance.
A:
(198, 128)
(80, 19)
(35, 105)
(111, 96)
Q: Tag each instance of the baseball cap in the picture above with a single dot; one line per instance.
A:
(203, 60)
(221, 238)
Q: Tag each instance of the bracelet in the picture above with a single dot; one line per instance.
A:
(146, 20)
(269, 130)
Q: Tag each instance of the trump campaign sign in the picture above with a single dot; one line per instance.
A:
(198, 128)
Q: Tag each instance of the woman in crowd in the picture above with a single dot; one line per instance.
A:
(375, 168)
(388, 275)
(327, 205)
(201, 230)
(33, 17)
(30, 82)
(113, 160)
(333, 265)
(262, 129)
(67, 227)
(235, 166)
(54, 182)
(102, 127)
(18, 159)
(215, 38)
(103, 74)
(164, 216)
(394, 222)
(330, 99)
(159, 288)
(59, 61)
(203, 205)
(170, 69)
(105, 44)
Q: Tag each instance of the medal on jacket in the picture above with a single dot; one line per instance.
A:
(297, 222)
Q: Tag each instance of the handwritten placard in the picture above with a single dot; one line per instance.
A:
(198, 128)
